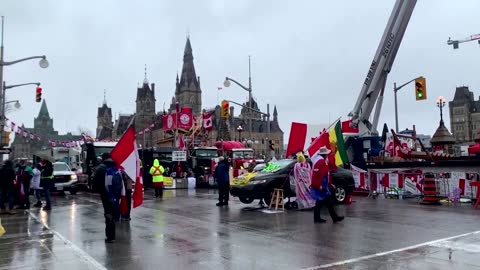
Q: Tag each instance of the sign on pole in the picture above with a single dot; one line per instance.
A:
(179, 156)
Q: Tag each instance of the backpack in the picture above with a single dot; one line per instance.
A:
(114, 182)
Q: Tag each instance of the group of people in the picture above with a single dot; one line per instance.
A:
(313, 186)
(19, 181)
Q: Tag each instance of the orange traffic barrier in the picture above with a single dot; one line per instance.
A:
(430, 190)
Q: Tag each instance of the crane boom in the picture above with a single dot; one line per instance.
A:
(380, 67)
(456, 42)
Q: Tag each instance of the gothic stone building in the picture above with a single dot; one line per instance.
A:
(144, 116)
(464, 115)
(188, 93)
(258, 138)
(42, 126)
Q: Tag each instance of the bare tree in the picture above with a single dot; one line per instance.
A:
(84, 130)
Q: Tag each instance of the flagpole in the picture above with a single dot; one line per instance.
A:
(334, 123)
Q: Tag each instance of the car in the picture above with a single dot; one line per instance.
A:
(277, 175)
(245, 178)
(64, 178)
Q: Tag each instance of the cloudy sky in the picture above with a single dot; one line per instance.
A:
(309, 57)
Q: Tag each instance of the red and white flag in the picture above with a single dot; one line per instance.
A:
(25, 133)
(181, 142)
(207, 121)
(125, 154)
(19, 130)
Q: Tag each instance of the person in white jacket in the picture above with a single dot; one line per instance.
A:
(36, 185)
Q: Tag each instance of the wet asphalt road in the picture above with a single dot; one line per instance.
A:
(186, 230)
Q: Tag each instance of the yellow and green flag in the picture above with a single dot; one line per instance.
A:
(337, 144)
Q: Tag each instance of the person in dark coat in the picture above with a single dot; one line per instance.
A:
(222, 176)
(108, 204)
(47, 182)
(7, 179)
(320, 188)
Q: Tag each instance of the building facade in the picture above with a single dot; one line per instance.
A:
(237, 128)
(42, 126)
(464, 115)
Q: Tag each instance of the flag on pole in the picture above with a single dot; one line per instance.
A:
(181, 142)
(125, 154)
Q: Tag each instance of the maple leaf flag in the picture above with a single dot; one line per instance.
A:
(207, 121)
(125, 154)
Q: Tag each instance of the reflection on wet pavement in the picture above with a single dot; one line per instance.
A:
(186, 230)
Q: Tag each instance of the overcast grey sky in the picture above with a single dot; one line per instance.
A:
(309, 58)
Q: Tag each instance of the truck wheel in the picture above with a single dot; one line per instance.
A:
(246, 200)
(73, 191)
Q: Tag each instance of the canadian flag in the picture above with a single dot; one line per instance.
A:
(125, 154)
(181, 142)
(207, 121)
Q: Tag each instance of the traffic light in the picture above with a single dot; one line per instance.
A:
(225, 109)
(6, 139)
(38, 97)
(420, 89)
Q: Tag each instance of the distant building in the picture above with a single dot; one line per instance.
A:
(42, 126)
(464, 115)
(104, 122)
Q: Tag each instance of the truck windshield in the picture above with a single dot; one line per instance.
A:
(101, 150)
(206, 153)
(243, 154)
(60, 167)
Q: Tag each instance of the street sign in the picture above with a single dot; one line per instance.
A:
(5, 151)
(179, 156)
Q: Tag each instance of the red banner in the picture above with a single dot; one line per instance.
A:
(185, 120)
(168, 122)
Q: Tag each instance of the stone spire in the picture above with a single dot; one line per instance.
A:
(43, 110)
(188, 77)
(145, 80)
(275, 114)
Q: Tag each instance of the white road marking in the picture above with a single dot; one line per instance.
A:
(78, 251)
(358, 259)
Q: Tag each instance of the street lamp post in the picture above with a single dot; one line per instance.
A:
(43, 64)
(226, 83)
(395, 90)
(4, 87)
(240, 129)
(441, 103)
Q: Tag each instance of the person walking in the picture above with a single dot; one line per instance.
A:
(36, 184)
(223, 180)
(7, 179)
(24, 176)
(47, 183)
(99, 186)
(320, 188)
(157, 171)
